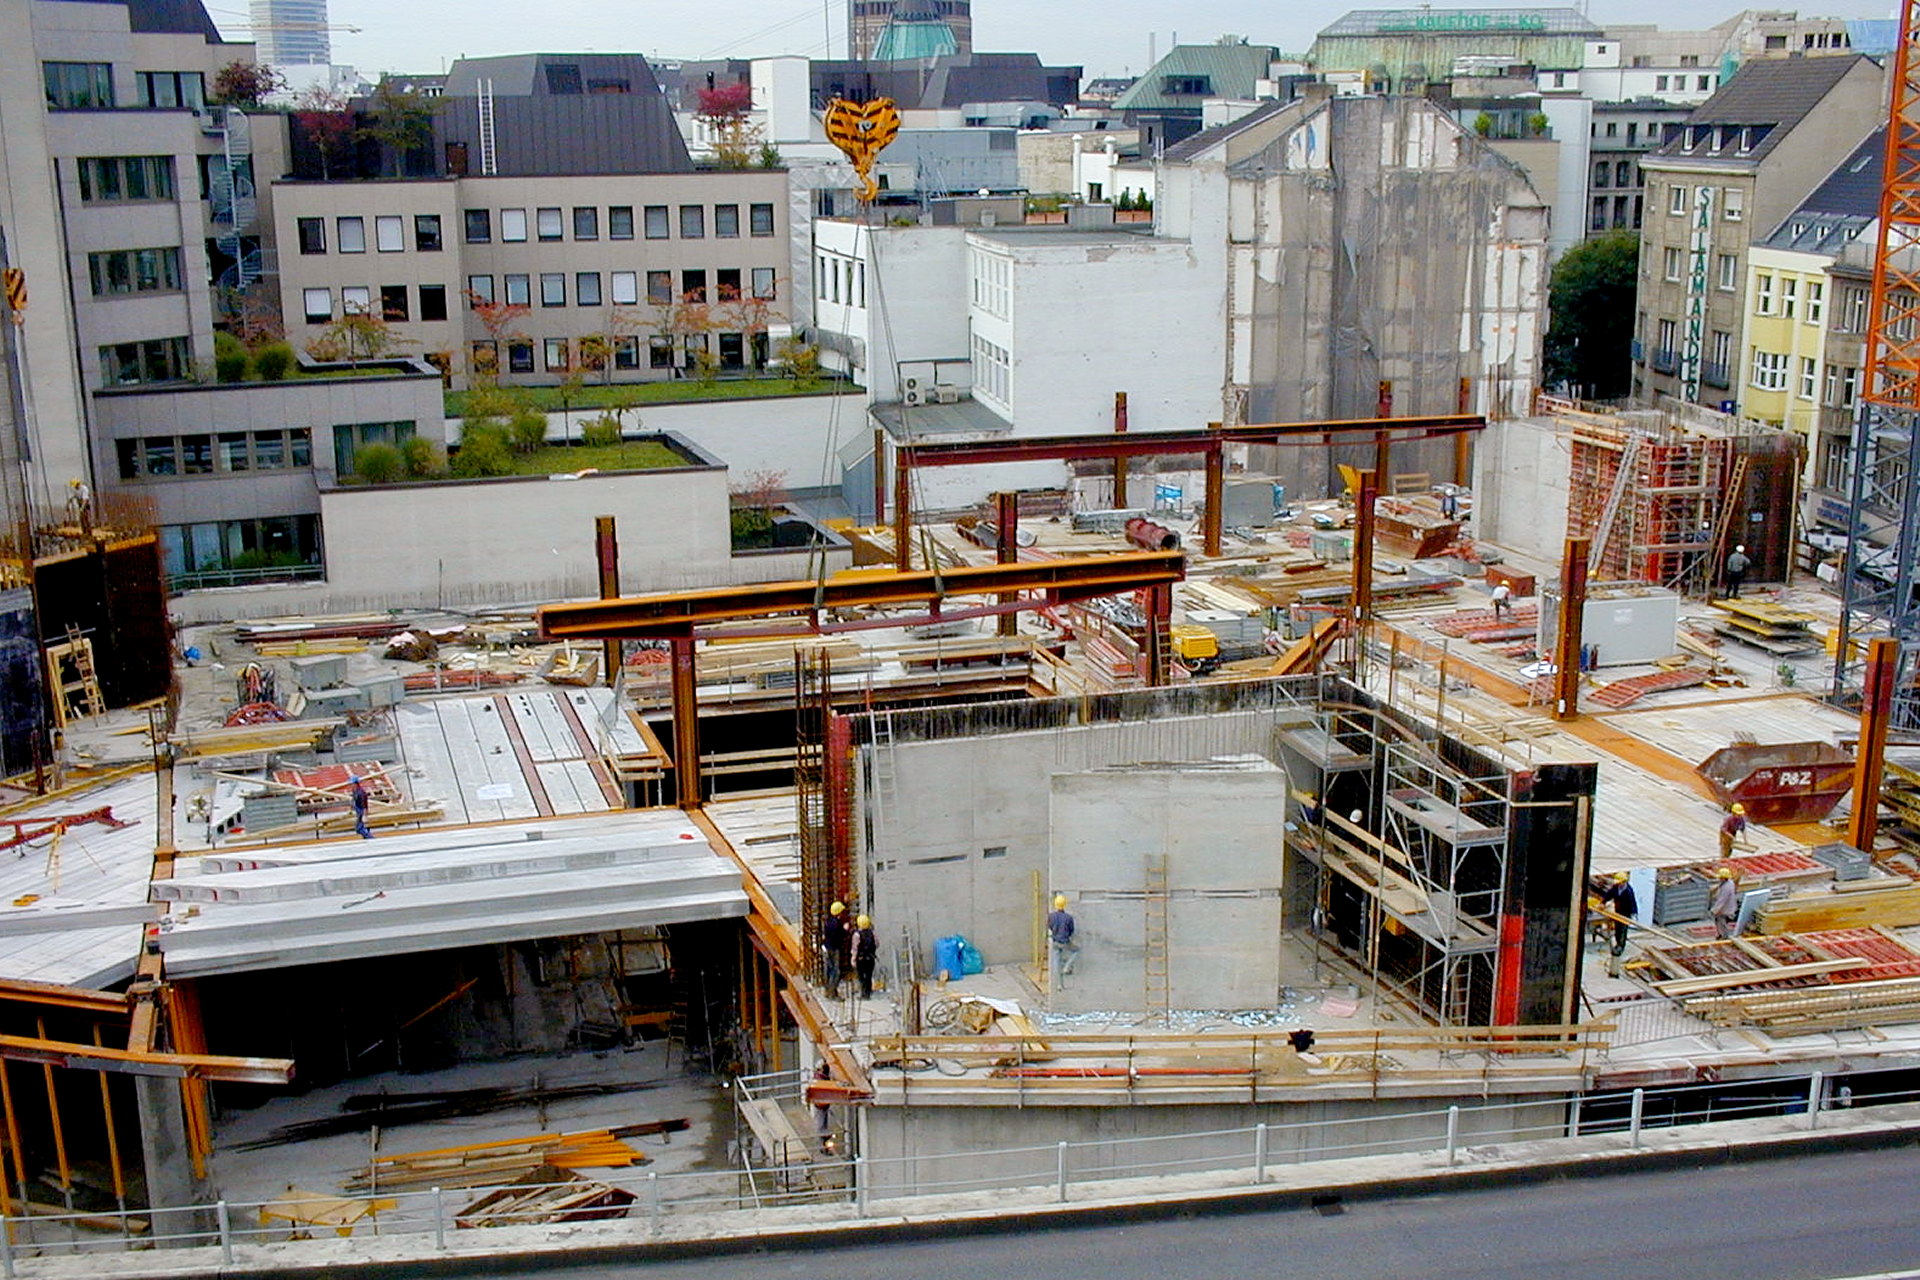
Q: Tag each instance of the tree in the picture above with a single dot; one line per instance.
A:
(402, 123)
(355, 337)
(1591, 307)
(246, 84)
(736, 140)
(501, 320)
(328, 123)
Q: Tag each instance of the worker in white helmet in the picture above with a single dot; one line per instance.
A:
(1060, 930)
(1737, 565)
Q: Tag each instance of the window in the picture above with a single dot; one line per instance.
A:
(1598, 220)
(108, 179)
(620, 222)
(726, 284)
(693, 222)
(726, 221)
(1849, 385)
(426, 232)
(479, 290)
(1809, 377)
(1720, 351)
(1733, 204)
(1728, 267)
(353, 437)
(660, 286)
(991, 376)
(171, 89)
(563, 77)
(658, 228)
(1670, 264)
(1853, 305)
(1763, 295)
(1769, 370)
(479, 226)
(553, 288)
(763, 283)
(350, 234)
(209, 555)
(433, 302)
(760, 219)
(235, 450)
(389, 234)
(659, 353)
(693, 285)
(1830, 393)
(126, 364)
(1816, 301)
(586, 224)
(586, 288)
(1789, 295)
(356, 300)
(733, 350)
(547, 224)
(1689, 59)
(196, 455)
(134, 271)
(520, 357)
(318, 305)
(1668, 331)
(626, 353)
(519, 287)
(312, 234)
(1602, 171)
(1186, 86)
(624, 287)
(1623, 173)
(393, 302)
(556, 355)
(513, 225)
(483, 356)
(1660, 84)
(1704, 83)
(1677, 201)
(78, 85)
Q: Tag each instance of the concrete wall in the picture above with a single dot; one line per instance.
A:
(959, 828)
(921, 1133)
(1520, 485)
(1219, 831)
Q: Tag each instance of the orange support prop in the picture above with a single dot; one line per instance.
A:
(1876, 712)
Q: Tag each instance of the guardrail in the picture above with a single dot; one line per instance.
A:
(1032, 1176)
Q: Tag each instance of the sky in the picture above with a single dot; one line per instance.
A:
(1109, 38)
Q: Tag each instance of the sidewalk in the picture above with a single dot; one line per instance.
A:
(635, 1239)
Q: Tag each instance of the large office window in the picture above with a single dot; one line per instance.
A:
(761, 216)
(586, 223)
(134, 271)
(519, 289)
(658, 227)
(586, 288)
(316, 306)
(126, 364)
(553, 288)
(624, 287)
(726, 221)
(426, 232)
(107, 179)
(77, 85)
(620, 222)
(313, 235)
(433, 302)
(479, 290)
(171, 89)
(549, 224)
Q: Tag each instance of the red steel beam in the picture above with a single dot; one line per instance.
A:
(1119, 460)
(1006, 549)
(1566, 649)
(1141, 444)
(678, 613)
(1876, 712)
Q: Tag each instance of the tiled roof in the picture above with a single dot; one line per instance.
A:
(1229, 70)
(1840, 207)
(1759, 106)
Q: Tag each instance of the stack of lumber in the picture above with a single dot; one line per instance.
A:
(1857, 904)
(546, 1194)
(492, 1163)
(1768, 626)
(1795, 984)
(1811, 1010)
(292, 631)
(252, 739)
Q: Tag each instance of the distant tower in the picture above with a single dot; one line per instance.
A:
(866, 19)
(291, 33)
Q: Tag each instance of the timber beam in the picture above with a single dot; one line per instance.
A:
(179, 1066)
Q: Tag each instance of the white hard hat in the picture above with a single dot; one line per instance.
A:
(1742, 550)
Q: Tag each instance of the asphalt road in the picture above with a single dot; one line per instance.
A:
(1811, 1218)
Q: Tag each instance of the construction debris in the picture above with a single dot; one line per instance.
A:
(492, 1163)
(546, 1194)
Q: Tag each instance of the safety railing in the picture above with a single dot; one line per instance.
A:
(1028, 1176)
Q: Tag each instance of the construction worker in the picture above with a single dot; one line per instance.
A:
(1737, 565)
(837, 942)
(866, 949)
(1502, 602)
(360, 800)
(1618, 897)
(1732, 829)
(1060, 929)
(1725, 903)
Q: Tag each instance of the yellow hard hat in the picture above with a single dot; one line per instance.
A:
(1739, 808)
(1724, 873)
(864, 922)
(838, 908)
(1619, 877)
(1059, 902)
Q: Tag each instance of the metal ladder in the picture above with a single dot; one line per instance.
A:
(1456, 1005)
(1157, 970)
(881, 768)
(489, 157)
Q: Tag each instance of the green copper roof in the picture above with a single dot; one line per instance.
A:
(911, 38)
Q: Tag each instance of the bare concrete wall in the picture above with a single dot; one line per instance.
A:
(1520, 478)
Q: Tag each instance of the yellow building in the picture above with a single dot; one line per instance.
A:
(1783, 337)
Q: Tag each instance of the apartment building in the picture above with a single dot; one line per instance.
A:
(1619, 136)
(1732, 172)
(575, 236)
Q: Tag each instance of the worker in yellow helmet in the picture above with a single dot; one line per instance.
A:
(836, 940)
(1064, 947)
(1725, 903)
(866, 949)
(1732, 828)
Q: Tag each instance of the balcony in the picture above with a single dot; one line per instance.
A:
(1666, 360)
(1716, 375)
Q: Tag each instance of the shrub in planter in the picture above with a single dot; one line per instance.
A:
(378, 463)
(273, 362)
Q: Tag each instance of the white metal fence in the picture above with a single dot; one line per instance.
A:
(1035, 1174)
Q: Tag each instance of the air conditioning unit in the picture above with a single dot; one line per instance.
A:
(915, 396)
(913, 384)
(943, 394)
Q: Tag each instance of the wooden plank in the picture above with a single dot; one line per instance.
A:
(1751, 977)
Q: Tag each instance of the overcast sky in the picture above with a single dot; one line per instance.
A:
(1108, 38)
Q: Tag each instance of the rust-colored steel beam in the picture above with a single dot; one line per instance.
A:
(1365, 499)
(1006, 550)
(1876, 713)
(686, 723)
(1216, 499)
(183, 1066)
(102, 1002)
(676, 614)
(1142, 444)
(879, 475)
(606, 552)
(902, 509)
(1566, 649)
(1119, 459)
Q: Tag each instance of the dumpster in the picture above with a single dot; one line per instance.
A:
(1780, 782)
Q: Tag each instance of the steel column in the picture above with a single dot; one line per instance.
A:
(1159, 619)
(1566, 649)
(1216, 492)
(1006, 550)
(902, 510)
(1363, 527)
(1119, 459)
(686, 724)
(606, 551)
(1876, 713)
(879, 475)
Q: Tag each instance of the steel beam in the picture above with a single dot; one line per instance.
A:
(1006, 550)
(1142, 444)
(686, 723)
(676, 614)
(1216, 499)
(606, 550)
(1119, 459)
(180, 1066)
(1876, 713)
(1566, 649)
(1366, 497)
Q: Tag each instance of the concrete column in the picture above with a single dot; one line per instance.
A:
(169, 1165)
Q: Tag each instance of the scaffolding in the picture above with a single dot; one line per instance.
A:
(813, 714)
(1651, 504)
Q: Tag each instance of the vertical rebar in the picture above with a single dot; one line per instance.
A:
(1260, 1152)
(1639, 1109)
(439, 1218)
(1816, 1096)
(1453, 1132)
(221, 1217)
(1063, 1172)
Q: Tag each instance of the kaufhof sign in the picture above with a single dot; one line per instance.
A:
(1467, 20)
